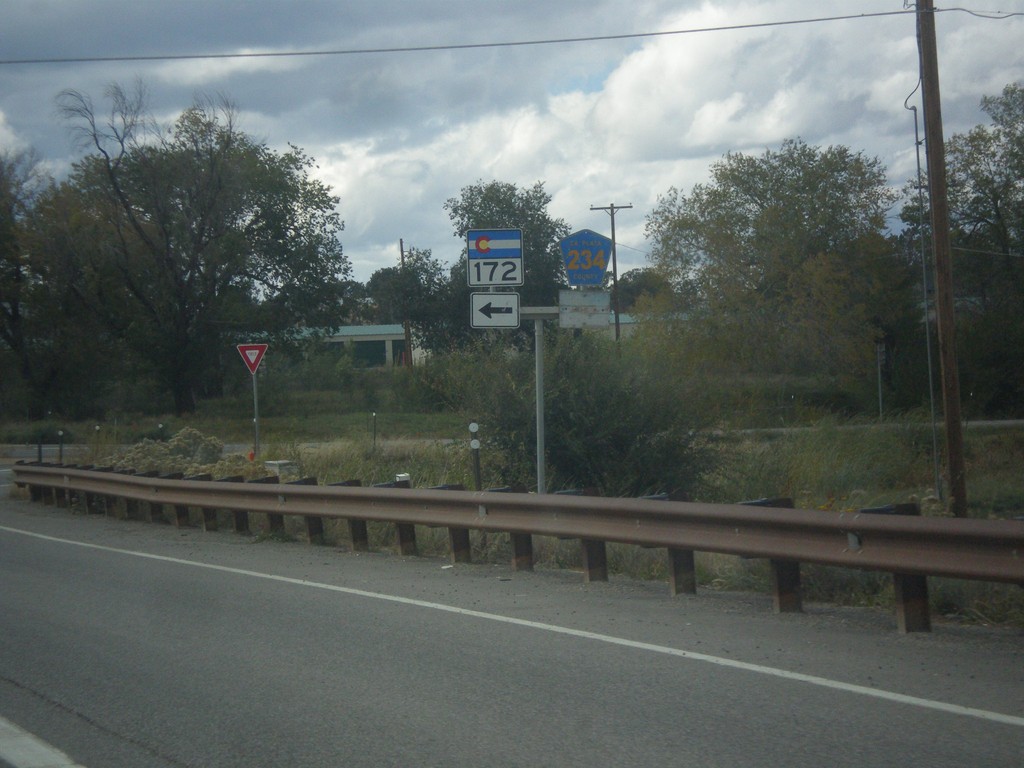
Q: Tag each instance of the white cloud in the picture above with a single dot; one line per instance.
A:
(600, 122)
(9, 139)
(204, 73)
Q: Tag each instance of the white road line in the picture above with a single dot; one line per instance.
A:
(21, 749)
(784, 674)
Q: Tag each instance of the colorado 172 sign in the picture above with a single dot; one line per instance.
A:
(495, 257)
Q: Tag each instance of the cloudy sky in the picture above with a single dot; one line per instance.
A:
(599, 121)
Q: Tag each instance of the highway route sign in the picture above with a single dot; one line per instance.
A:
(586, 256)
(495, 257)
(494, 310)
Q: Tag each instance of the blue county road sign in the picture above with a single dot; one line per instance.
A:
(586, 256)
(495, 257)
(494, 310)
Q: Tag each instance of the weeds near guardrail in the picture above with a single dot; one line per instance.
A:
(826, 465)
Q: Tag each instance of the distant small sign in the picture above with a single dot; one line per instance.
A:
(252, 355)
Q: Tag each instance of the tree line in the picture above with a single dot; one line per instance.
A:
(131, 280)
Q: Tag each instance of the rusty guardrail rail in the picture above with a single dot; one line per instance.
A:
(985, 550)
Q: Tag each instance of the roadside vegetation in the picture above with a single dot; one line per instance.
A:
(778, 342)
(832, 463)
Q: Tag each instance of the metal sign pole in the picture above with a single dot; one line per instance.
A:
(539, 315)
(252, 356)
(538, 335)
(255, 419)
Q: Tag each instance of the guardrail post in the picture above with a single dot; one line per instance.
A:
(522, 543)
(595, 560)
(105, 502)
(157, 509)
(133, 507)
(405, 533)
(459, 545)
(594, 552)
(787, 595)
(239, 517)
(60, 498)
(70, 494)
(275, 523)
(90, 501)
(129, 507)
(208, 516)
(52, 497)
(910, 590)
(83, 498)
(682, 572)
(682, 567)
(522, 551)
(35, 492)
(357, 531)
(47, 494)
(122, 503)
(314, 523)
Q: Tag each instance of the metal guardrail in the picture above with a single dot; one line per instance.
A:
(986, 550)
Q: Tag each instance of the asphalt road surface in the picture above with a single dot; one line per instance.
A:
(126, 644)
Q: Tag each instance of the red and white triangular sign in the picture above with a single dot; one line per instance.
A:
(252, 354)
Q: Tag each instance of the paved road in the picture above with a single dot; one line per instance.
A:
(144, 646)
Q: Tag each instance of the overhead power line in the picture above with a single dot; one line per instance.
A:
(474, 46)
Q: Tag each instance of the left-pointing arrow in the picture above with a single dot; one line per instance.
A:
(489, 310)
(494, 310)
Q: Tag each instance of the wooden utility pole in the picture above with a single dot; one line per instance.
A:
(936, 158)
(407, 357)
(615, 264)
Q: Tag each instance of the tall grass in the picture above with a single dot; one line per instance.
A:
(830, 466)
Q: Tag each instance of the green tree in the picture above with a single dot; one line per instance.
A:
(610, 424)
(206, 234)
(16, 175)
(984, 167)
(781, 265)
(51, 352)
(986, 199)
(407, 291)
(639, 286)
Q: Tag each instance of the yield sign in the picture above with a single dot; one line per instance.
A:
(252, 354)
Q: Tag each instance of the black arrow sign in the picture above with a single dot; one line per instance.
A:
(489, 310)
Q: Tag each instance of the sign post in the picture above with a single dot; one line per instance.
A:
(252, 356)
